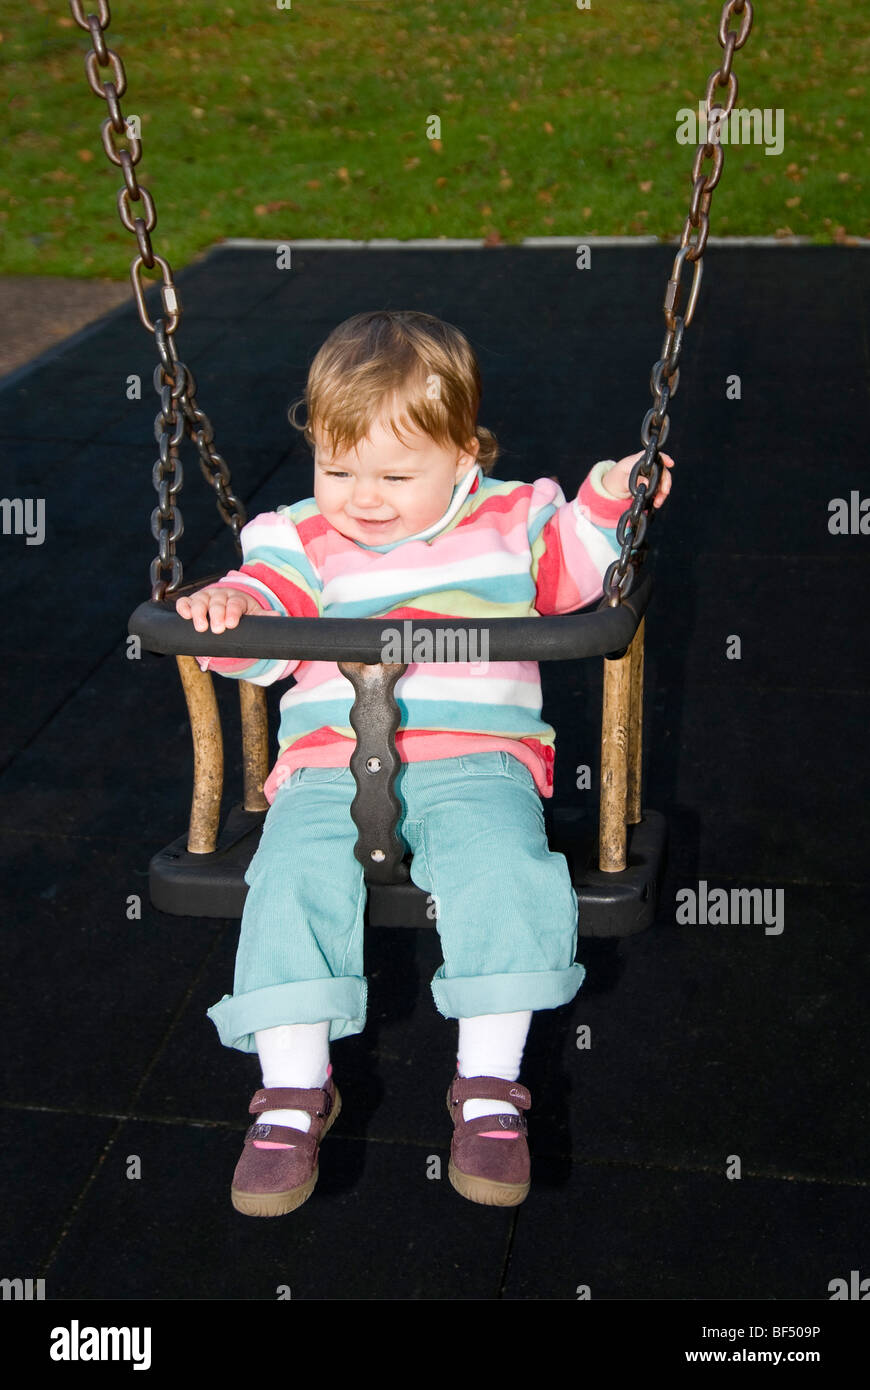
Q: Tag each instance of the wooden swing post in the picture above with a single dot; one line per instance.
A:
(635, 730)
(208, 755)
(621, 720)
(208, 751)
(255, 744)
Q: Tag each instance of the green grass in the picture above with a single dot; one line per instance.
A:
(311, 122)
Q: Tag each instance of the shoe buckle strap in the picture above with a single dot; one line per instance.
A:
(489, 1088)
(511, 1122)
(291, 1098)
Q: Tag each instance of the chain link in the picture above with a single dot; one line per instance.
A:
(645, 475)
(173, 382)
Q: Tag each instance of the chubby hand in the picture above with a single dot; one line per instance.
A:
(618, 476)
(223, 605)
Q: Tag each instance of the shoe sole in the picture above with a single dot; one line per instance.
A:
(485, 1191)
(280, 1203)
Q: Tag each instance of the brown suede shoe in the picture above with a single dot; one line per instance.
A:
(271, 1182)
(495, 1172)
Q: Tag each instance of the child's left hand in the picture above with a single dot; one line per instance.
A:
(617, 477)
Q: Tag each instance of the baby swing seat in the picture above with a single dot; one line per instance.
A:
(202, 873)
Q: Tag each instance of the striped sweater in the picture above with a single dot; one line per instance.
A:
(501, 550)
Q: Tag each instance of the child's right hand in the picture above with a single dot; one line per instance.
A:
(223, 605)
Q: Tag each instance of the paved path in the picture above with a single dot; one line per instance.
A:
(38, 311)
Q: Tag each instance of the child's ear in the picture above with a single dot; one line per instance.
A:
(472, 449)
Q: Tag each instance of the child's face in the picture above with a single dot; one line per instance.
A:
(386, 489)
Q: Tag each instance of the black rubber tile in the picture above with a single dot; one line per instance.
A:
(27, 463)
(65, 401)
(393, 1077)
(251, 344)
(46, 1159)
(105, 564)
(7, 753)
(774, 606)
(246, 408)
(771, 780)
(115, 762)
(711, 1039)
(120, 344)
(32, 693)
(230, 280)
(184, 1240)
(727, 1040)
(680, 983)
(758, 782)
(88, 994)
(638, 1233)
(782, 510)
(196, 1077)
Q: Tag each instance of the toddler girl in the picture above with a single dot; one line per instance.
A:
(406, 521)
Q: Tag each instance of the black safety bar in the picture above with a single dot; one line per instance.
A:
(604, 631)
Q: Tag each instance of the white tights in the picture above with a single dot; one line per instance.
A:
(297, 1054)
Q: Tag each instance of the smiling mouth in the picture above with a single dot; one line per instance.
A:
(362, 521)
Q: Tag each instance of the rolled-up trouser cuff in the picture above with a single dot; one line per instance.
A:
(342, 1001)
(470, 996)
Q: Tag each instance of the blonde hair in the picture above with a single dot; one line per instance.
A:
(395, 357)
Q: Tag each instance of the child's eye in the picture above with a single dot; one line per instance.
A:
(390, 478)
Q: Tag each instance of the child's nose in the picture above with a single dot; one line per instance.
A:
(365, 494)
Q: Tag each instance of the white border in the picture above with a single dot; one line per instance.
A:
(453, 243)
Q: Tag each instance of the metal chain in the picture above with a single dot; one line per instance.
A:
(173, 381)
(177, 388)
(646, 473)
